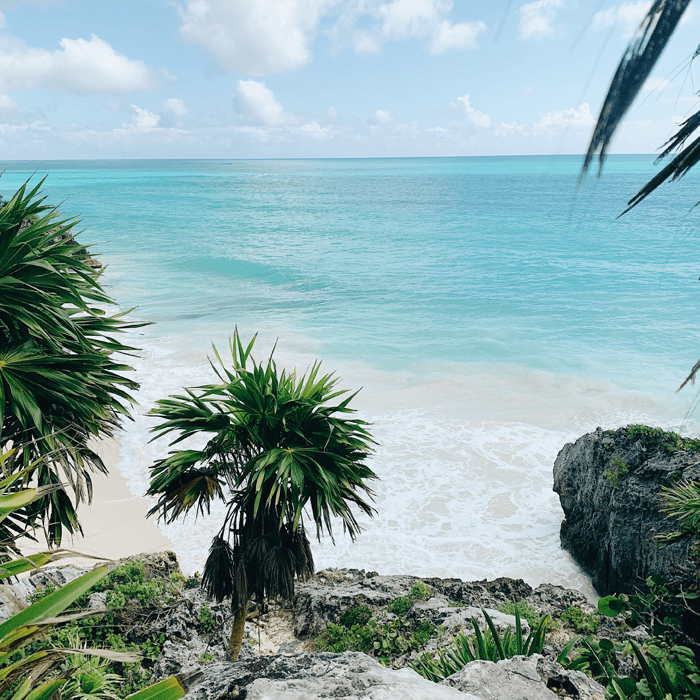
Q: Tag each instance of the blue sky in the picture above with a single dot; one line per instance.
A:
(325, 78)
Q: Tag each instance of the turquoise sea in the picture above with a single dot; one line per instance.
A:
(490, 310)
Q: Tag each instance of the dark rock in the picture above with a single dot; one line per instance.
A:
(554, 600)
(610, 530)
(569, 683)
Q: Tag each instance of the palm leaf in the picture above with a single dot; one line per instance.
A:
(636, 65)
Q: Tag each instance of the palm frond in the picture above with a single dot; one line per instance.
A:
(636, 65)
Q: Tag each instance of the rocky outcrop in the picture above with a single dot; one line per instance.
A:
(524, 678)
(355, 676)
(609, 485)
(327, 595)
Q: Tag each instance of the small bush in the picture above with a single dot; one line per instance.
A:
(527, 612)
(619, 469)
(401, 605)
(206, 619)
(581, 621)
(358, 615)
(420, 591)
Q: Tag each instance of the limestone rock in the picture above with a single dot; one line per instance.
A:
(322, 600)
(351, 675)
(610, 529)
(572, 684)
(514, 679)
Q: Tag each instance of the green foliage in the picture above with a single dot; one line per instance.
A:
(668, 672)
(89, 677)
(206, 619)
(193, 582)
(128, 586)
(581, 621)
(357, 631)
(525, 610)
(420, 591)
(658, 439)
(401, 605)
(661, 609)
(486, 646)
(60, 384)
(357, 615)
(281, 446)
(205, 658)
(619, 469)
(682, 501)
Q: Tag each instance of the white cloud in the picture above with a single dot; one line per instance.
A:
(259, 103)
(176, 105)
(628, 15)
(143, 121)
(268, 36)
(381, 116)
(574, 116)
(364, 42)
(477, 118)
(80, 66)
(7, 104)
(255, 36)
(537, 18)
(455, 36)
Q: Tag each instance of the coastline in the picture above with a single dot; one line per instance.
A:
(114, 524)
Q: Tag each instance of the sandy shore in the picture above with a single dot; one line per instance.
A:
(114, 524)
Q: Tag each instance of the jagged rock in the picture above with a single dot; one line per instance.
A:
(326, 596)
(97, 601)
(158, 564)
(486, 594)
(351, 675)
(323, 599)
(568, 683)
(514, 679)
(554, 600)
(610, 530)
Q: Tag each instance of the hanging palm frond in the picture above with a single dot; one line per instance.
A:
(636, 65)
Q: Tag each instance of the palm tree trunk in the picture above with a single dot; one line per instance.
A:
(236, 641)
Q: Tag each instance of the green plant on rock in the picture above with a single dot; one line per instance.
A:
(280, 445)
(89, 678)
(356, 630)
(206, 619)
(487, 646)
(525, 610)
(581, 621)
(31, 668)
(60, 384)
(619, 468)
(659, 439)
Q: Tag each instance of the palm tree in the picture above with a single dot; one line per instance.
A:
(60, 384)
(280, 446)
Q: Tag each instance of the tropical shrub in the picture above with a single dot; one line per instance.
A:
(279, 443)
(32, 669)
(489, 646)
(60, 384)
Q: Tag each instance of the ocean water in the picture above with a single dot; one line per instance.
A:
(489, 309)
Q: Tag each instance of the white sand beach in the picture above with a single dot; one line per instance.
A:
(114, 524)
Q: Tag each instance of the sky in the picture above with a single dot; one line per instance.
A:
(83, 79)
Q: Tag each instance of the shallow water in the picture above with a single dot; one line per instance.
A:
(489, 309)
